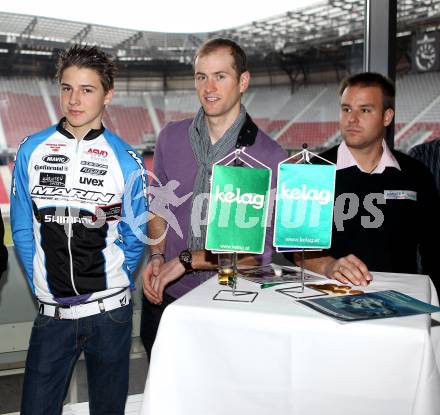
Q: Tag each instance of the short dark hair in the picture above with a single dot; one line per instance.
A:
(240, 64)
(89, 57)
(366, 79)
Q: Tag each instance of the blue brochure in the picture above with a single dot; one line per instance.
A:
(382, 304)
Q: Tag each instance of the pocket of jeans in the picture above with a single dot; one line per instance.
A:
(121, 315)
(42, 321)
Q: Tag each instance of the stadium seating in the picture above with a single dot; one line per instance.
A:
(22, 109)
(314, 134)
(132, 123)
(309, 115)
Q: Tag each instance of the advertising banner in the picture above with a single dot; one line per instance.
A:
(238, 207)
(304, 208)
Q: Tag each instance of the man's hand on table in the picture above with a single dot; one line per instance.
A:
(348, 269)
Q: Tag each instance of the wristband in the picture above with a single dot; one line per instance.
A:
(157, 254)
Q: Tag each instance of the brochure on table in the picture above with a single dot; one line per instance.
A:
(238, 208)
(381, 304)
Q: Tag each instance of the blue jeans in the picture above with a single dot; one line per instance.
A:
(56, 345)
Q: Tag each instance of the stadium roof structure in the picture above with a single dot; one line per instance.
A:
(323, 25)
(326, 23)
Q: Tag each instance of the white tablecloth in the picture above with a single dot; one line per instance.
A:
(276, 357)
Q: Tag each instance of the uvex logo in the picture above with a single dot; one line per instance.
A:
(93, 182)
(98, 152)
(55, 159)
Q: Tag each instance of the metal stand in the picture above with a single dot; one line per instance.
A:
(234, 275)
(302, 270)
(299, 289)
(235, 295)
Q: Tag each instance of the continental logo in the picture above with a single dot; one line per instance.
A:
(71, 194)
(56, 159)
(50, 168)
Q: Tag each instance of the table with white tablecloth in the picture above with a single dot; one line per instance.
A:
(275, 356)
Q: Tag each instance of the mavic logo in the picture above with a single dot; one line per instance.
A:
(78, 194)
(56, 159)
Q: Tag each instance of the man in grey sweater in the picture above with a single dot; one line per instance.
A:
(184, 155)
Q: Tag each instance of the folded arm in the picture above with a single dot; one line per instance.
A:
(158, 273)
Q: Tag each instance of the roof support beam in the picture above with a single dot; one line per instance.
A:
(29, 28)
(82, 34)
(380, 43)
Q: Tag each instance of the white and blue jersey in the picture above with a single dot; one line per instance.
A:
(78, 213)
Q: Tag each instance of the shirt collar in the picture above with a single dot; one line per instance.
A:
(91, 134)
(346, 159)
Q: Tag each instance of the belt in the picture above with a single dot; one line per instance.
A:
(98, 306)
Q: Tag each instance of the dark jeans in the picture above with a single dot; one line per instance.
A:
(150, 319)
(56, 345)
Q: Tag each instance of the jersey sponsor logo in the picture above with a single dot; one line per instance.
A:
(71, 194)
(110, 212)
(123, 301)
(53, 179)
(13, 187)
(93, 164)
(55, 159)
(22, 142)
(55, 147)
(138, 160)
(68, 219)
(51, 168)
(97, 152)
(94, 172)
(92, 181)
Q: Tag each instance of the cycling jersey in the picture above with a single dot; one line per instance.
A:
(78, 212)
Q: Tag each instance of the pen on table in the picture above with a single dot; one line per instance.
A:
(272, 284)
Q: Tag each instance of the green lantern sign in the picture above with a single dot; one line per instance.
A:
(238, 207)
(304, 209)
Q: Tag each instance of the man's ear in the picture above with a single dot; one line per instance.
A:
(108, 97)
(244, 81)
(388, 117)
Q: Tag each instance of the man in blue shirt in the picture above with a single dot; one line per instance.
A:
(76, 189)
